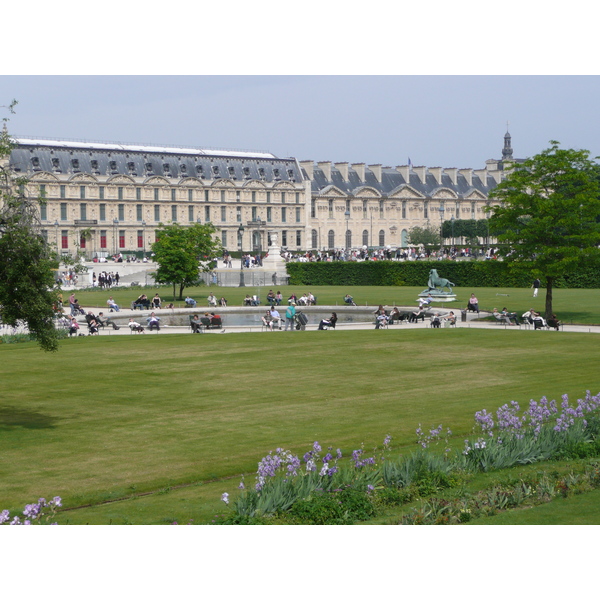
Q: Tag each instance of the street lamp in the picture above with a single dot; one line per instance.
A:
(240, 236)
(442, 209)
(144, 239)
(115, 225)
(452, 219)
(56, 229)
(347, 215)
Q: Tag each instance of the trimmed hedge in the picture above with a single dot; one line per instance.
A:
(490, 273)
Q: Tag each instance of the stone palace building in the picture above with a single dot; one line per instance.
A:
(104, 198)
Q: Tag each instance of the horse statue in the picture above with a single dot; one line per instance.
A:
(438, 283)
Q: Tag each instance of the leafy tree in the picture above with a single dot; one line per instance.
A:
(183, 252)
(424, 236)
(547, 214)
(27, 285)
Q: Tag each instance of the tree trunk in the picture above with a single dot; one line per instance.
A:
(174, 293)
(549, 284)
(181, 288)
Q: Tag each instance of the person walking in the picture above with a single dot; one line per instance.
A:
(536, 287)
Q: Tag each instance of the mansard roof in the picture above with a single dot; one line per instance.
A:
(392, 180)
(32, 156)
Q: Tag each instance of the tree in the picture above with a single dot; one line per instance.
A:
(547, 213)
(182, 252)
(28, 290)
(424, 236)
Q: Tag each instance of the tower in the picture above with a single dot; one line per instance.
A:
(507, 152)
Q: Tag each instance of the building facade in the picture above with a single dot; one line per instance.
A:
(102, 199)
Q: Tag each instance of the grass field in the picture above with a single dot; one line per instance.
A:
(571, 306)
(116, 417)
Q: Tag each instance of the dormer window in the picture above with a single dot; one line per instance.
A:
(35, 161)
(247, 172)
(261, 172)
(113, 166)
(276, 173)
(215, 171)
(56, 164)
(75, 164)
(166, 169)
(291, 174)
(149, 167)
(94, 164)
(231, 172)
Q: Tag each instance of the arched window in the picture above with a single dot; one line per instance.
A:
(331, 239)
(314, 238)
(382, 238)
(348, 239)
(365, 238)
(404, 238)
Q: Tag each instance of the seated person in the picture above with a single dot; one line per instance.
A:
(275, 317)
(103, 323)
(510, 316)
(212, 301)
(271, 297)
(381, 320)
(247, 300)
(267, 321)
(554, 322)
(92, 323)
(135, 326)
(293, 298)
(473, 304)
(450, 319)
(153, 322)
(73, 327)
(142, 301)
(415, 315)
(395, 315)
(196, 324)
(112, 304)
(310, 299)
(223, 301)
(278, 298)
(303, 300)
(500, 317)
(538, 320)
(156, 301)
(349, 300)
(190, 302)
(435, 320)
(425, 302)
(328, 322)
(528, 316)
(215, 320)
(255, 301)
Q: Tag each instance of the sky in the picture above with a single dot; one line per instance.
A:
(447, 121)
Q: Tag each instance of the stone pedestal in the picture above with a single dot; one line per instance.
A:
(273, 262)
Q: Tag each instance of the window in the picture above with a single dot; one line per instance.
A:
(63, 211)
(364, 209)
(156, 196)
(348, 238)
(237, 196)
(298, 238)
(313, 208)
(82, 192)
(284, 238)
(121, 209)
(101, 192)
(63, 191)
(283, 214)
(207, 214)
(173, 195)
(121, 238)
(103, 212)
(254, 213)
(297, 214)
(365, 238)
(382, 238)
(138, 193)
(224, 238)
(282, 197)
(43, 212)
(404, 209)
(331, 239)
(238, 214)
(190, 194)
(83, 211)
(254, 197)
(222, 195)
(314, 238)
(174, 213)
(157, 212)
(223, 214)
(472, 210)
(191, 214)
(205, 195)
(269, 214)
(64, 238)
(297, 197)
(381, 207)
(42, 190)
(425, 210)
(103, 238)
(330, 207)
(140, 238)
(120, 193)
(138, 212)
(45, 235)
(82, 241)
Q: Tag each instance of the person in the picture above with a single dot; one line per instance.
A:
(501, 317)
(112, 305)
(212, 301)
(395, 315)
(266, 319)
(72, 304)
(73, 327)
(153, 322)
(223, 301)
(416, 315)
(135, 326)
(278, 298)
(528, 316)
(104, 323)
(536, 287)
(215, 319)
(290, 315)
(381, 320)
(196, 324)
(190, 302)
(310, 299)
(379, 311)
(328, 322)
(450, 319)
(473, 304)
(156, 301)
(510, 316)
(271, 297)
(142, 301)
(538, 320)
(92, 323)
(293, 298)
(275, 317)
(247, 300)
(425, 302)
(554, 322)
(349, 300)
(435, 320)
(303, 300)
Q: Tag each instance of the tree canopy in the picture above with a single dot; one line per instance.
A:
(28, 290)
(183, 252)
(424, 236)
(546, 215)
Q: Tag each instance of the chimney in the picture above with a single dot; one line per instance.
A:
(437, 173)
(325, 166)
(468, 175)
(482, 174)
(308, 166)
(376, 170)
(497, 175)
(404, 170)
(359, 168)
(343, 169)
(421, 173)
(492, 164)
(452, 173)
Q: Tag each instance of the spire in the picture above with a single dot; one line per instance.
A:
(507, 152)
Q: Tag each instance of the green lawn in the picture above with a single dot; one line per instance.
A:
(109, 417)
(571, 306)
